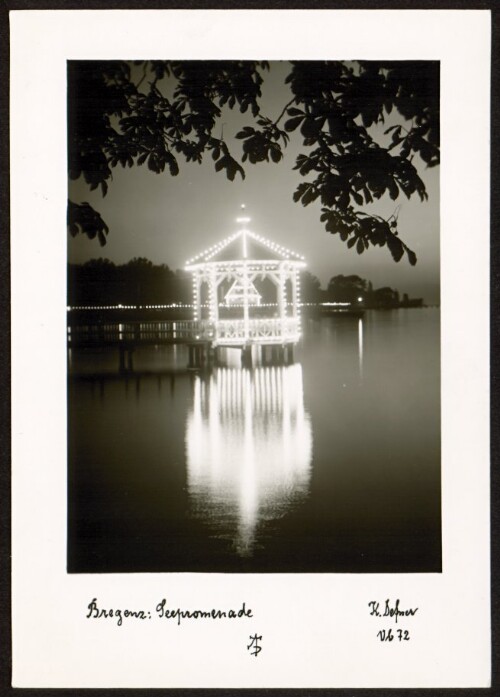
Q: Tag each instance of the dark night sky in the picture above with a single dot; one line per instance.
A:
(169, 219)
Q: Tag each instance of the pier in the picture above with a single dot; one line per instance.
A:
(205, 340)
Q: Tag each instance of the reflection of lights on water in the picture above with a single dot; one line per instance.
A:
(360, 346)
(249, 448)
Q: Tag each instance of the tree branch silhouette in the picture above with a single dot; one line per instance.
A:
(336, 112)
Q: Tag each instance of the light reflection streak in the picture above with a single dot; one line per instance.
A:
(249, 450)
(360, 346)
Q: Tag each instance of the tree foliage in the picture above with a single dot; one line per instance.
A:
(354, 289)
(346, 288)
(161, 113)
(310, 287)
(101, 282)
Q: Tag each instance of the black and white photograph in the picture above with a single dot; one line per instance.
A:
(250, 302)
(253, 387)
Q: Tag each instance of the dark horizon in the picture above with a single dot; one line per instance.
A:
(180, 276)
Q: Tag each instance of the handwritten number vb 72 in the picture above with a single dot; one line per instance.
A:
(388, 635)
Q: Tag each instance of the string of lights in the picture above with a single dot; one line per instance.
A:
(211, 252)
(75, 308)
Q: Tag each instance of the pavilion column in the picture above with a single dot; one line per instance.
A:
(214, 298)
(197, 300)
(281, 299)
(293, 278)
(246, 317)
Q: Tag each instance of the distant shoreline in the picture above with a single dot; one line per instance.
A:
(128, 313)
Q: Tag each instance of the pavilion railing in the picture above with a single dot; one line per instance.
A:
(260, 330)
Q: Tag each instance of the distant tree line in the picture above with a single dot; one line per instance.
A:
(139, 282)
(100, 282)
(356, 290)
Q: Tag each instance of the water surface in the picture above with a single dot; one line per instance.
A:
(331, 464)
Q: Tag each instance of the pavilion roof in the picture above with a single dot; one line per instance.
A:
(245, 245)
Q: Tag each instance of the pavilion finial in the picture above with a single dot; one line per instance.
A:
(243, 218)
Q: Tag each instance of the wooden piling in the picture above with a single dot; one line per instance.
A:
(122, 359)
(246, 356)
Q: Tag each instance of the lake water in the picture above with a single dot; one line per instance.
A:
(331, 464)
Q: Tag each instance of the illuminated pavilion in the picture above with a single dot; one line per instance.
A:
(248, 289)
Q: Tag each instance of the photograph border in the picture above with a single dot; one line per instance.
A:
(494, 295)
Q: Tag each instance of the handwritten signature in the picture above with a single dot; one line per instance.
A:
(392, 610)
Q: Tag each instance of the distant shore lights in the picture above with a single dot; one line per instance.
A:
(239, 261)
